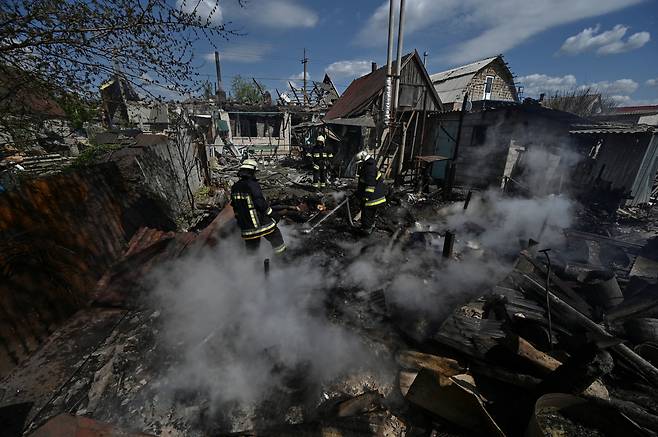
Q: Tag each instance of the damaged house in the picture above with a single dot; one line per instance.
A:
(489, 79)
(630, 115)
(258, 126)
(495, 145)
(355, 115)
(121, 105)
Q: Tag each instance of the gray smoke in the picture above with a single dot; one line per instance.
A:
(236, 329)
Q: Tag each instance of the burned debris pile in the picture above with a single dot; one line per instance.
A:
(547, 351)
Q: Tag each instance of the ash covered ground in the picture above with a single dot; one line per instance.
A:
(205, 342)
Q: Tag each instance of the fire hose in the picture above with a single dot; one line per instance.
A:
(340, 205)
(309, 230)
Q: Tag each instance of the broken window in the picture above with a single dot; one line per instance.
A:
(488, 86)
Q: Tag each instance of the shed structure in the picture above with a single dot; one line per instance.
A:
(357, 115)
(622, 163)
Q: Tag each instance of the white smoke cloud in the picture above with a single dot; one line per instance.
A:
(238, 334)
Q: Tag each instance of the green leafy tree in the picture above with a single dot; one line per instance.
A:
(245, 91)
(50, 48)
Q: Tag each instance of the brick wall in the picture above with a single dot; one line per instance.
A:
(503, 89)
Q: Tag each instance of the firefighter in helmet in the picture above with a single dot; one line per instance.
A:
(321, 157)
(255, 217)
(371, 190)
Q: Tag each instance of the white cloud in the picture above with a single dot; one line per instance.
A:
(349, 69)
(652, 82)
(499, 25)
(621, 100)
(605, 43)
(206, 9)
(535, 84)
(620, 86)
(276, 14)
(633, 42)
(241, 52)
(617, 90)
(286, 14)
(300, 76)
(629, 101)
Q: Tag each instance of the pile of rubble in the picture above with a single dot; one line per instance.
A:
(560, 342)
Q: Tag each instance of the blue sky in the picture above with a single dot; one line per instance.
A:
(611, 45)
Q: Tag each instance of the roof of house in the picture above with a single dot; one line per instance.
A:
(451, 84)
(362, 90)
(612, 129)
(650, 109)
(359, 92)
(463, 70)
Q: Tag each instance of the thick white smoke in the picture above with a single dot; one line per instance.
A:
(239, 332)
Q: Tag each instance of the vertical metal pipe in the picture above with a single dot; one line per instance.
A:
(398, 63)
(448, 244)
(218, 70)
(388, 90)
(389, 52)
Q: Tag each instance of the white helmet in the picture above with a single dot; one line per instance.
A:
(320, 139)
(249, 164)
(362, 156)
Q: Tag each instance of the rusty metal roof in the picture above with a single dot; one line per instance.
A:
(363, 90)
(358, 94)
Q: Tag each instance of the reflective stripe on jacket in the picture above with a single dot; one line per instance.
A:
(371, 184)
(251, 209)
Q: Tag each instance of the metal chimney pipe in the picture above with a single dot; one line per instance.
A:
(398, 64)
(374, 66)
(218, 69)
(388, 90)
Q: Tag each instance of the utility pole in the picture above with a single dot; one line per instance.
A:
(305, 61)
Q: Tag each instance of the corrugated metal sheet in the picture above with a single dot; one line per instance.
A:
(358, 94)
(452, 90)
(612, 129)
(463, 70)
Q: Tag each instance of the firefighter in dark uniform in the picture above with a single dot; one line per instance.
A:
(321, 157)
(255, 217)
(371, 190)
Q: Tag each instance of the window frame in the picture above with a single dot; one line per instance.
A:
(486, 80)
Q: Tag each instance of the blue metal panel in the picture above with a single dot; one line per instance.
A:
(444, 145)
